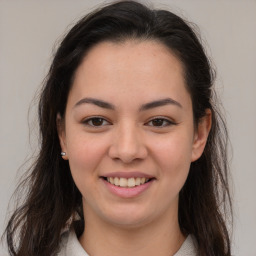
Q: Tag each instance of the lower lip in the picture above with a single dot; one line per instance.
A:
(128, 192)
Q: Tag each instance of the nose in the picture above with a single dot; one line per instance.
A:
(128, 144)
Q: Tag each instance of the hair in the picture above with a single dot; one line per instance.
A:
(52, 198)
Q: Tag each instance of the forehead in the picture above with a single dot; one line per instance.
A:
(146, 68)
(137, 56)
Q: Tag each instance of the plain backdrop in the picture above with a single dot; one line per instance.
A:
(28, 31)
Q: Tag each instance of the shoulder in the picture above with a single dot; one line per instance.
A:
(70, 245)
(188, 248)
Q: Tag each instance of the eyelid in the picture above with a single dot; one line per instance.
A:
(85, 121)
(169, 121)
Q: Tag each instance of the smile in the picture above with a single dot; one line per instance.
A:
(127, 182)
(127, 185)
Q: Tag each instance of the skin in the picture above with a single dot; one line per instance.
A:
(129, 75)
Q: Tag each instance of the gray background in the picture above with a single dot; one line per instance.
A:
(28, 31)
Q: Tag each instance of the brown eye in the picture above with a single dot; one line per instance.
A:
(157, 122)
(96, 122)
(160, 122)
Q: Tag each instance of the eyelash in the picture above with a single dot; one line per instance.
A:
(167, 122)
(95, 118)
(102, 120)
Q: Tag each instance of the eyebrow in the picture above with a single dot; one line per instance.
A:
(147, 106)
(159, 103)
(99, 103)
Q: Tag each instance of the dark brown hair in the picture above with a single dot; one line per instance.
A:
(52, 197)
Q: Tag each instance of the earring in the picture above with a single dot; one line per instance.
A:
(63, 153)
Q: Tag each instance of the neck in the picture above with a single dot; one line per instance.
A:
(162, 237)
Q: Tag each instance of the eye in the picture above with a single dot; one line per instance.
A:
(160, 122)
(96, 122)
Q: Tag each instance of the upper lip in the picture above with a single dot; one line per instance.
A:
(128, 175)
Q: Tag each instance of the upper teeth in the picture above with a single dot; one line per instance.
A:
(123, 182)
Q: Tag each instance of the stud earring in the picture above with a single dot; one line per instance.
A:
(63, 153)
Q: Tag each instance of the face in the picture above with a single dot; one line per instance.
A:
(128, 132)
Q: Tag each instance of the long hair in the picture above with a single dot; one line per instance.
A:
(53, 198)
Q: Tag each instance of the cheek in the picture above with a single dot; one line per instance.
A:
(85, 154)
(173, 156)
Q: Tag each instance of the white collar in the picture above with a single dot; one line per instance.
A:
(70, 246)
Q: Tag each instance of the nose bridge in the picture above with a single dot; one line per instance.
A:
(128, 143)
(128, 138)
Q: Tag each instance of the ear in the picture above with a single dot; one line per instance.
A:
(201, 135)
(62, 135)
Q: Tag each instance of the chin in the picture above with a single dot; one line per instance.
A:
(128, 218)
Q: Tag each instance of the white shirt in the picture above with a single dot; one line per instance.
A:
(70, 246)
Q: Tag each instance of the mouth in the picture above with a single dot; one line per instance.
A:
(127, 182)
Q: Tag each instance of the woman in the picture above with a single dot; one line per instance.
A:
(133, 150)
